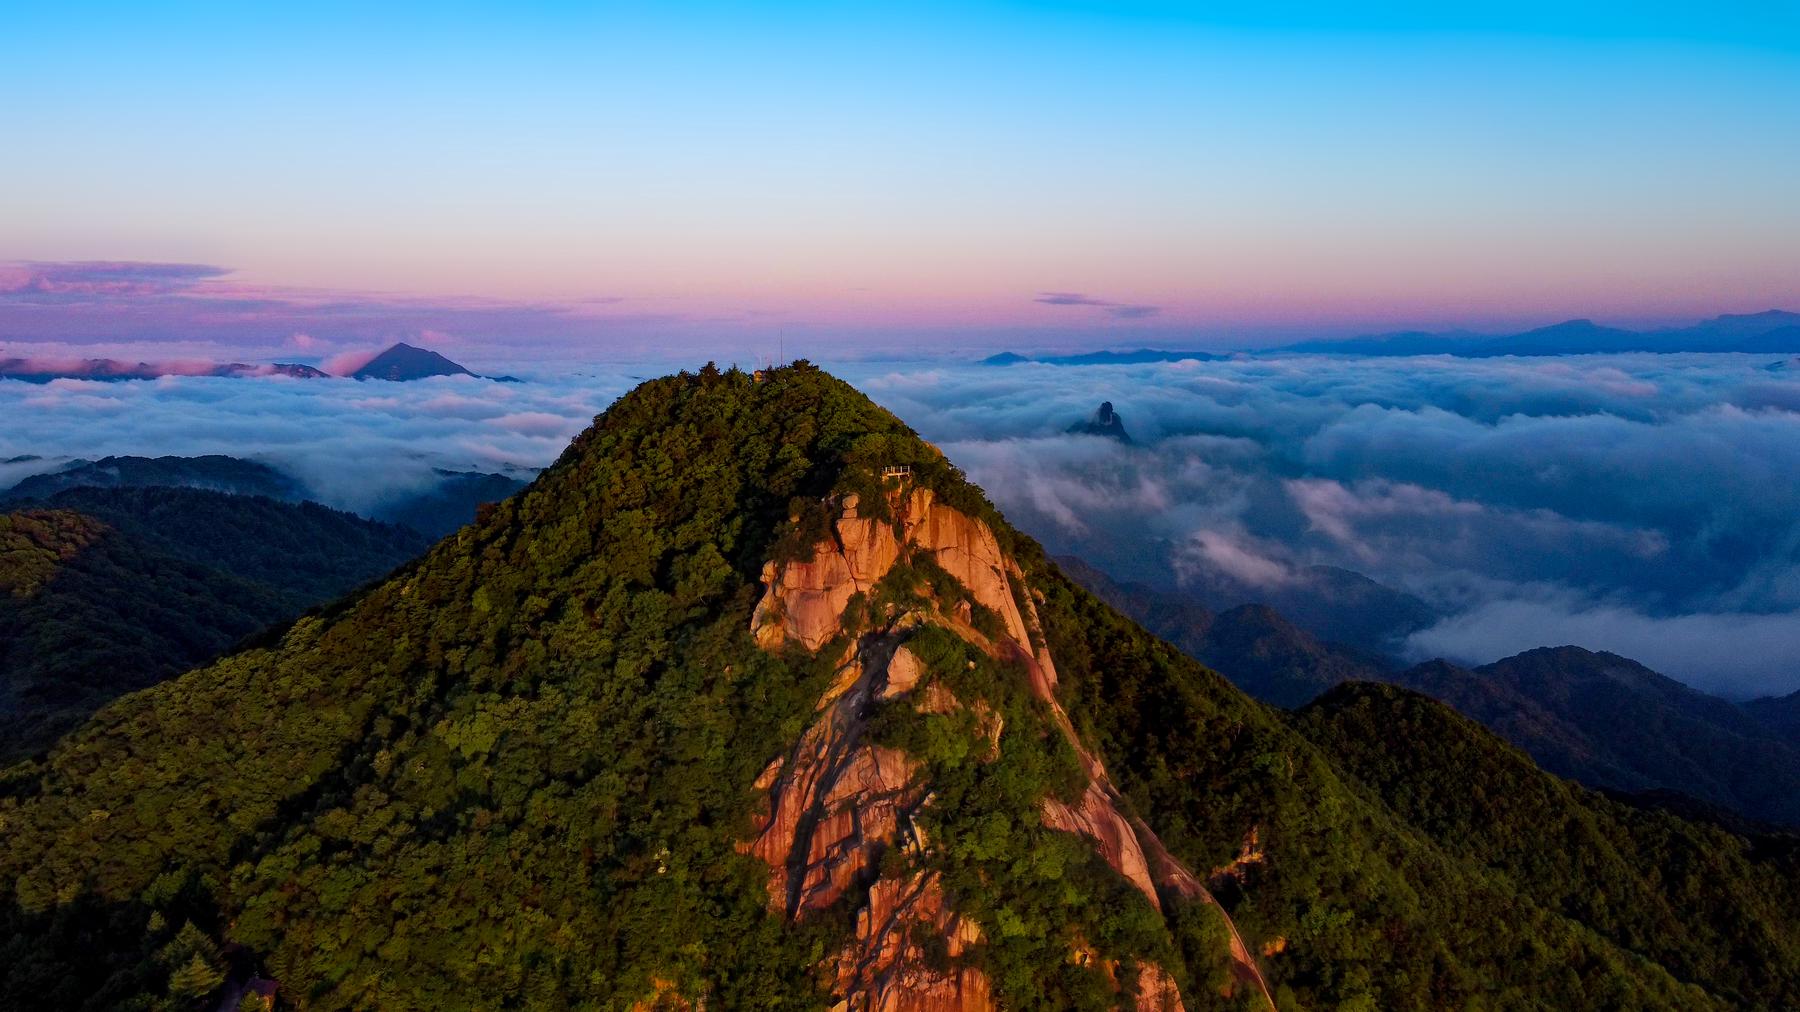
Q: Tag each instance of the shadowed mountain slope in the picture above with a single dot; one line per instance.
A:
(1779, 713)
(114, 589)
(1773, 330)
(1595, 717)
(1254, 645)
(1611, 722)
(450, 503)
(305, 552)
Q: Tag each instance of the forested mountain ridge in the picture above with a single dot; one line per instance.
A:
(91, 613)
(433, 509)
(306, 552)
(1692, 898)
(1611, 722)
(215, 472)
(1596, 717)
(714, 712)
(114, 589)
(1253, 645)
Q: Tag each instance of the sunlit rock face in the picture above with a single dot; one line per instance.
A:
(836, 802)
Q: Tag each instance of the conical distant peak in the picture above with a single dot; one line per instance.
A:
(402, 361)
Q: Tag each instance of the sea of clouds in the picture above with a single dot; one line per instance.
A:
(1643, 504)
(1648, 505)
(354, 444)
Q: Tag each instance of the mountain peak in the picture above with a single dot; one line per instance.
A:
(1579, 324)
(1103, 422)
(752, 700)
(402, 361)
(1770, 331)
(209, 471)
(1768, 317)
(751, 646)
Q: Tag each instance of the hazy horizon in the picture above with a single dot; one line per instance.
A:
(606, 182)
(64, 312)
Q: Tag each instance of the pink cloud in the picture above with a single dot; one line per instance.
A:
(45, 364)
(346, 362)
(103, 278)
(110, 302)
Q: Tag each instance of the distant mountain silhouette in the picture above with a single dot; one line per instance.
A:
(1409, 342)
(405, 362)
(1103, 422)
(1783, 340)
(1561, 338)
(1141, 355)
(1774, 331)
(1744, 325)
(36, 371)
(399, 362)
(1335, 604)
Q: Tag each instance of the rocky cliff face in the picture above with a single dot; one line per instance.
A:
(837, 802)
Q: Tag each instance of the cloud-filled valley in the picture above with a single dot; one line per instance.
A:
(1648, 505)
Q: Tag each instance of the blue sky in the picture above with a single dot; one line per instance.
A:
(920, 172)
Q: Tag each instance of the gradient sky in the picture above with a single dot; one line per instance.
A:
(619, 176)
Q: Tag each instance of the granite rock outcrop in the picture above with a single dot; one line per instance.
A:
(837, 802)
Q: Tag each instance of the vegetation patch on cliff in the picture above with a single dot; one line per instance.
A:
(1041, 895)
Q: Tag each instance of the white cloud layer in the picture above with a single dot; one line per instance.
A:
(353, 443)
(1640, 503)
(1644, 504)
